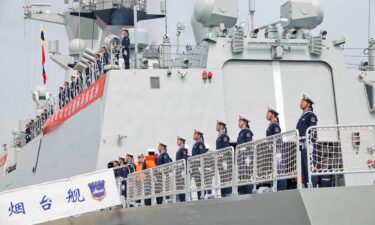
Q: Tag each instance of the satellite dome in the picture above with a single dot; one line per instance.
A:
(76, 46)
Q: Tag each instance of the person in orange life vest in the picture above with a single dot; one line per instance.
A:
(139, 164)
(149, 162)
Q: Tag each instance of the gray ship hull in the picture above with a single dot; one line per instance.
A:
(326, 206)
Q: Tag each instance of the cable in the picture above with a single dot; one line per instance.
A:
(358, 56)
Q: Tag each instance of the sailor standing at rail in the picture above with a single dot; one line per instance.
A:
(225, 159)
(149, 163)
(197, 149)
(79, 83)
(128, 168)
(182, 153)
(245, 136)
(162, 159)
(66, 93)
(61, 97)
(273, 129)
(125, 42)
(72, 87)
(88, 73)
(307, 119)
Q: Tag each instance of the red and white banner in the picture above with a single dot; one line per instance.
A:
(3, 160)
(88, 96)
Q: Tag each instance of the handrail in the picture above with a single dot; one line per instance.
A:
(340, 149)
(219, 169)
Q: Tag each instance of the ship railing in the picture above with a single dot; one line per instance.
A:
(341, 150)
(160, 56)
(164, 182)
(109, 4)
(211, 171)
(268, 160)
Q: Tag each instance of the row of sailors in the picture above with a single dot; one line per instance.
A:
(35, 126)
(69, 91)
(82, 81)
(307, 119)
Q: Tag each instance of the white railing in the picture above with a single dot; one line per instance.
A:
(268, 160)
(164, 181)
(211, 171)
(331, 150)
(336, 150)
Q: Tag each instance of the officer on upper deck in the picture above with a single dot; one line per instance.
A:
(198, 149)
(245, 135)
(66, 93)
(125, 42)
(61, 97)
(72, 87)
(307, 119)
(225, 159)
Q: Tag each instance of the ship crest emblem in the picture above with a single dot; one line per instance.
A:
(97, 190)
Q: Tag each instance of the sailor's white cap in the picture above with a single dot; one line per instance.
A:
(272, 110)
(221, 122)
(308, 98)
(151, 150)
(198, 131)
(181, 138)
(244, 119)
(162, 144)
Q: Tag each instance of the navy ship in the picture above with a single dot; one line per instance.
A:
(234, 69)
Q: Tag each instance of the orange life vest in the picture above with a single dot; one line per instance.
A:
(150, 161)
(138, 167)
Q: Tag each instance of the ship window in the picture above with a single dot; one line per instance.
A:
(369, 88)
(154, 82)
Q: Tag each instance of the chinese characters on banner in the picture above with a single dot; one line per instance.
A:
(88, 96)
(60, 199)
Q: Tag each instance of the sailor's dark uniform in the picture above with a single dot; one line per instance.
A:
(224, 162)
(72, 89)
(182, 153)
(163, 159)
(306, 120)
(245, 136)
(88, 74)
(125, 51)
(61, 99)
(198, 149)
(273, 128)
